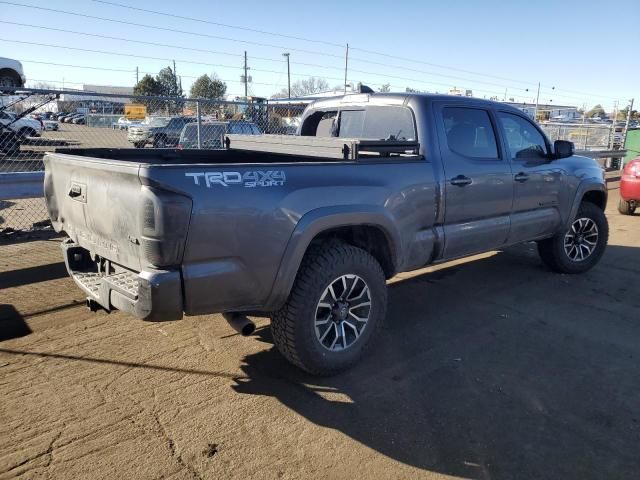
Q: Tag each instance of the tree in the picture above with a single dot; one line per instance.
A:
(169, 83)
(208, 86)
(147, 86)
(304, 87)
(596, 111)
(386, 88)
(622, 114)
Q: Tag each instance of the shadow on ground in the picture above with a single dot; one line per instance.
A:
(12, 325)
(492, 369)
(495, 368)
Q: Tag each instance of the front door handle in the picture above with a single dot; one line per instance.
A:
(521, 177)
(461, 181)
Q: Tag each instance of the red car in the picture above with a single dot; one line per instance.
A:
(630, 187)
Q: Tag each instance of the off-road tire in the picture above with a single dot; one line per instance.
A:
(293, 326)
(160, 142)
(625, 207)
(552, 251)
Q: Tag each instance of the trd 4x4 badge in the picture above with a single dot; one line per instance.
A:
(257, 178)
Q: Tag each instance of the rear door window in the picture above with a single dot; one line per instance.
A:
(470, 132)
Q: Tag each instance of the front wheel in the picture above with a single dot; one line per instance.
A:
(336, 305)
(27, 132)
(580, 247)
(626, 208)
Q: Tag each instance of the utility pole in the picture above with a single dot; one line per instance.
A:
(346, 66)
(626, 125)
(612, 132)
(288, 74)
(137, 73)
(246, 78)
(535, 115)
(175, 75)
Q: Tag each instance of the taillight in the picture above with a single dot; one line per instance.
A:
(180, 146)
(633, 168)
(164, 219)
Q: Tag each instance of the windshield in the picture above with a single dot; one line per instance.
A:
(156, 121)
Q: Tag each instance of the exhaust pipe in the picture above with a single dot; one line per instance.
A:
(240, 323)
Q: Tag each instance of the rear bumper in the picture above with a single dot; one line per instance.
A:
(630, 188)
(154, 295)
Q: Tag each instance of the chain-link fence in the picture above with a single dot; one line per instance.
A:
(37, 121)
(586, 136)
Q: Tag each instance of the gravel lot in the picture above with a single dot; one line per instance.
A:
(488, 368)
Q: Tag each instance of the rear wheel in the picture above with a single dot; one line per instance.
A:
(160, 142)
(580, 247)
(626, 208)
(336, 305)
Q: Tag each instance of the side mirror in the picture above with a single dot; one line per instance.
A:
(563, 149)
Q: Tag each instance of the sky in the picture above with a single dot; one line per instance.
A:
(581, 52)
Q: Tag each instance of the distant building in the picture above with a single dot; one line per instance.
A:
(458, 92)
(559, 113)
(84, 101)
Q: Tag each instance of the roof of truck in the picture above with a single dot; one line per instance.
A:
(397, 99)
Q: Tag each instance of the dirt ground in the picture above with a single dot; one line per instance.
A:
(488, 368)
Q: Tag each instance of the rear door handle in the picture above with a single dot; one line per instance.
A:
(521, 177)
(461, 181)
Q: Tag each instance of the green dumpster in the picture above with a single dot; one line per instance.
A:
(632, 145)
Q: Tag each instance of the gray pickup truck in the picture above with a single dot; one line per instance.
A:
(306, 229)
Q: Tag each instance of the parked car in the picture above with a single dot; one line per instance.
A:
(158, 131)
(212, 133)
(9, 141)
(71, 117)
(64, 118)
(79, 120)
(50, 125)
(124, 123)
(24, 127)
(11, 74)
(306, 229)
(630, 187)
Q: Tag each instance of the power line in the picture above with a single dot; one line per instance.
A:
(134, 71)
(277, 46)
(155, 44)
(237, 55)
(372, 52)
(166, 29)
(414, 81)
(261, 58)
(237, 27)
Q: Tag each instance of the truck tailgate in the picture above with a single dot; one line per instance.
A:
(96, 203)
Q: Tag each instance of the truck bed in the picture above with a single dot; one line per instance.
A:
(258, 149)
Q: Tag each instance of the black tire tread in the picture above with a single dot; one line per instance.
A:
(625, 207)
(284, 321)
(551, 250)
